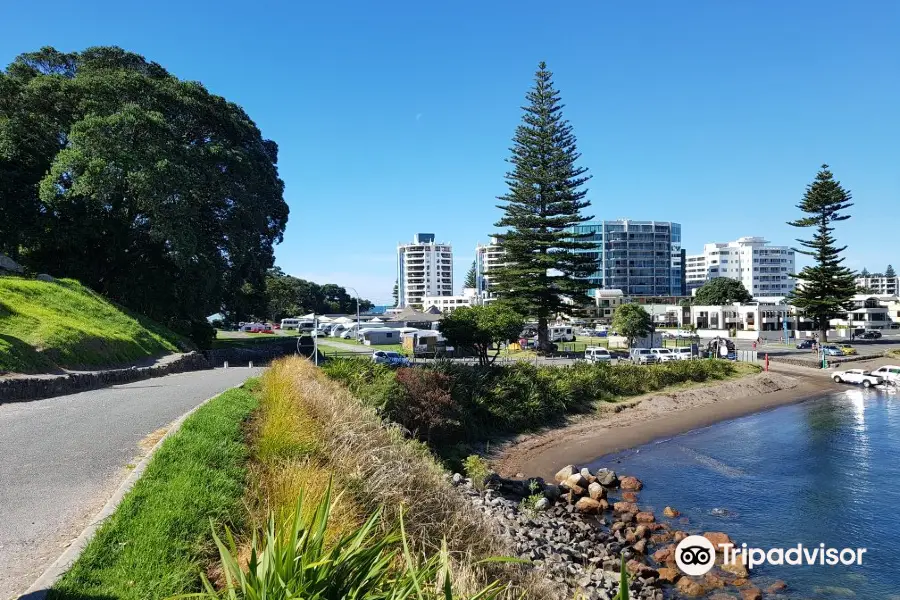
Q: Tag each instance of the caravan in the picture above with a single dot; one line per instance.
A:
(561, 333)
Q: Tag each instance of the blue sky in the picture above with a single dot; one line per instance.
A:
(396, 117)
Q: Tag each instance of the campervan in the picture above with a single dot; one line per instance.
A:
(290, 323)
(561, 333)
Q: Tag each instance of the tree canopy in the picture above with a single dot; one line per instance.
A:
(480, 328)
(889, 272)
(544, 202)
(290, 296)
(149, 189)
(722, 290)
(631, 321)
(827, 287)
(470, 277)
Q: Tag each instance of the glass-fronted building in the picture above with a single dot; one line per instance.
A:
(641, 258)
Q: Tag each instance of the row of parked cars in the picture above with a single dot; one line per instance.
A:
(638, 356)
(885, 374)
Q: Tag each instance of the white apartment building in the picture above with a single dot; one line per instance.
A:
(763, 269)
(487, 257)
(469, 297)
(424, 268)
(879, 285)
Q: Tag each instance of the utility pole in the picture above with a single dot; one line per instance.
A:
(357, 309)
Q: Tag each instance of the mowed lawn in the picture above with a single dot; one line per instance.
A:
(46, 325)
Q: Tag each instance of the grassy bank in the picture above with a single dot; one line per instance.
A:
(47, 325)
(455, 407)
(159, 539)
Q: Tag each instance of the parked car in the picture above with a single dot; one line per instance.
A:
(832, 351)
(643, 356)
(393, 359)
(684, 353)
(870, 335)
(889, 373)
(804, 344)
(664, 354)
(595, 354)
(318, 333)
(895, 326)
(848, 350)
(348, 334)
(866, 378)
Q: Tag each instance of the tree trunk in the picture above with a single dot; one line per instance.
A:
(823, 335)
(543, 343)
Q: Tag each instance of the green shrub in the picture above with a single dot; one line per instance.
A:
(425, 405)
(477, 469)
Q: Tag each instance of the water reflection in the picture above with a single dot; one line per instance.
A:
(822, 471)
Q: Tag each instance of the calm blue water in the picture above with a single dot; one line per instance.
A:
(826, 470)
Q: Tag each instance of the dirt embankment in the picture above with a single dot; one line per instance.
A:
(646, 418)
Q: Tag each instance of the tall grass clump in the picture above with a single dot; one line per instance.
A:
(293, 558)
(376, 463)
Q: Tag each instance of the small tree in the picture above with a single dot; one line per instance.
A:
(480, 328)
(632, 321)
(720, 291)
(864, 272)
(889, 272)
(828, 287)
(470, 277)
(396, 293)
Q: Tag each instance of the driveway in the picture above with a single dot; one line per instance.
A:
(62, 458)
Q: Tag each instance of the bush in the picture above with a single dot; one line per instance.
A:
(425, 405)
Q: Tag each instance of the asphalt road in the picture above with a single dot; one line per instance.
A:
(62, 458)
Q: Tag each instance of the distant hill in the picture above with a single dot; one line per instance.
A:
(48, 325)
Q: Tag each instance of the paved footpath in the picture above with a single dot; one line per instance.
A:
(62, 458)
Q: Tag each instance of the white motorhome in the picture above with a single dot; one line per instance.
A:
(290, 323)
(561, 333)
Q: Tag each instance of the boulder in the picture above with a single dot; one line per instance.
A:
(586, 473)
(631, 484)
(607, 477)
(712, 581)
(596, 491)
(617, 526)
(740, 582)
(660, 538)
(624, 507)
(689, 587)
(457, 479)
(626, 517)
(514, 487)
(542, 504)
(604, 505)
(588, 506)
(640, 546)
(776, 587)
(639, 569)
(552, 492)
(665, 555)
(737, 569)
(576, 480)
(669, 574)
(751, 593)
(717, 538)
(670, 512)
(45, 277)
(678, 536)
(641, 531)
(565, 473)
(629, 497)
(8, 264)
(644, 517)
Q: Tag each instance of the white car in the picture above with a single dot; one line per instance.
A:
(889, 373)
(394, 359)
(683, 353)
(664, 354)
(594, 354)
(866, 378)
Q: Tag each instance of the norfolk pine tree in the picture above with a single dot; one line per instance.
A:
(544, 202)
(828, 288)
(470, 277)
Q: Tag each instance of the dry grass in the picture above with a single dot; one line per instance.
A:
(380, 467)
(146, 444)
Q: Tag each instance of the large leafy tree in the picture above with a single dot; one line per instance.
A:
(481, 328)
(721, 290)
(632, 321)
(290, 296)
(544, 202)
(151, 190)
(827, 287)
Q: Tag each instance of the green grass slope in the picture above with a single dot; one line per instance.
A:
(47, 325)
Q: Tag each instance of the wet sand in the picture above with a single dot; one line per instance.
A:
(653, 417)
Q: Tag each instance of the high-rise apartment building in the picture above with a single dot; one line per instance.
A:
(878, 284)
(763, 269)
(641, 258)
(424, 268)
(487, 257)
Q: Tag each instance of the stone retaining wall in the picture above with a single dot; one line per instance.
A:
(261, 354)
(20, 389)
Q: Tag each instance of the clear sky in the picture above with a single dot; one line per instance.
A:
(396, 117)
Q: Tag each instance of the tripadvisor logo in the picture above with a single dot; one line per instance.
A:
(696, 555)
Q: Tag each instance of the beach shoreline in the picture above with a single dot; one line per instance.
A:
(653, 417)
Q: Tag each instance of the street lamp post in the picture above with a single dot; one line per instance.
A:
(357, 309)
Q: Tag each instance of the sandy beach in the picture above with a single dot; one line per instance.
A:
(655, 416)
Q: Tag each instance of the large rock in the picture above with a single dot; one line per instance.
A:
(717, 538)
(712, 581)
(542, 504)
(737, 569)
(665, 555)
(565, 473)
(596, 491)
(586, 473)
(752, 593)
(641, 531)
(625, 507)
(631, 484)
(640, 546)
(689, 587)
(644, 517)
(670, 512)
(576, 480)
(629, 497)
(8, 264)
(45, 277)
(552, 492)
(678, 536)
(607, 477)
(588, 506)
(514, 487)
(638, 568)
(776, 587)
(669, 574)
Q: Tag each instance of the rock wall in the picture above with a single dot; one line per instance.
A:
(18, 389)
(261, 354)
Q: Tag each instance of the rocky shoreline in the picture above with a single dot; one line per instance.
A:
(576, 530)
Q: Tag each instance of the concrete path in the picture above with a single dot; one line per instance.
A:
(61, 458)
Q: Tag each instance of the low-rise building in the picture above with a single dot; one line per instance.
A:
(755, 316)
(469, 297)
(869, 312)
